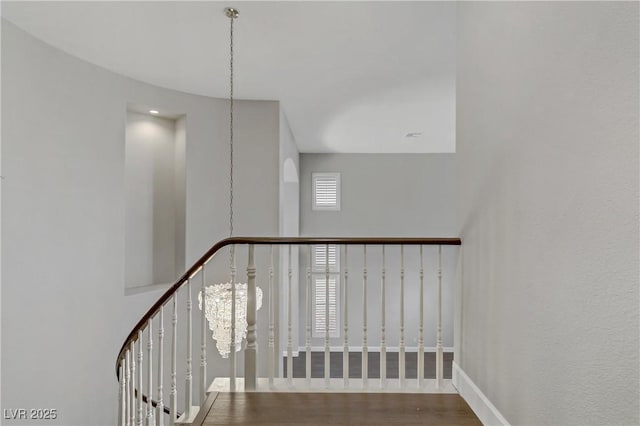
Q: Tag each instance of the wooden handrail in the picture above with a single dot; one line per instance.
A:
(133, 335)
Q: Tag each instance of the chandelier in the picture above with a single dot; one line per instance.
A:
(217, 310)
(218, 298)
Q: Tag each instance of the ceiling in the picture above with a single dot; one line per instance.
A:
(350, 76)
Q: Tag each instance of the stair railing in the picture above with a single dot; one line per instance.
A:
(139, 404)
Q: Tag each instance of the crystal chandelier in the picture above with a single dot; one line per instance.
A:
(217, 310)
(218, 305)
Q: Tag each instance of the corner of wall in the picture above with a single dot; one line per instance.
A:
(477, 400)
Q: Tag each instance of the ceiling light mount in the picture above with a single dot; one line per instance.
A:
(413, 135)
(231, 12)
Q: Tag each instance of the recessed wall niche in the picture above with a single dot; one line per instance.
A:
(155, 165)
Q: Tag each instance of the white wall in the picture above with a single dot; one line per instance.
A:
(289, 227)
(64, 311)
(547, 128)
(289, 181)
(152, 200)
(180, 191)
(388, 195)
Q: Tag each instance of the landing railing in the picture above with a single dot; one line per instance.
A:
(307, 281)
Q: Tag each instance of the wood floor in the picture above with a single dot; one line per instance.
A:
(339, 409)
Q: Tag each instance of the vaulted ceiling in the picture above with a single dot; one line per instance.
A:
(350, 76)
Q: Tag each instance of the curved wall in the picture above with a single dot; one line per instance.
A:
(64, 310)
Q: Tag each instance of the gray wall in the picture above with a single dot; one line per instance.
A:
(64, 309)
(388, 195)
(547, 113)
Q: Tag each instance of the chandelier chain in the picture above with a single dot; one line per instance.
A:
(231, 130)
(232, 15)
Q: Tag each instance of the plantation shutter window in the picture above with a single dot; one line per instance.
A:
(326, 191)
(319, 280)
(320, 302)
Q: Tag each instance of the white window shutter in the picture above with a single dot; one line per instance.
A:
(320, 258)
(320, 305)
(326, 191)
(319, 271)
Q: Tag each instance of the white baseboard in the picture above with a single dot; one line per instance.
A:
(221, 384)
(478, 401)
(372, 349)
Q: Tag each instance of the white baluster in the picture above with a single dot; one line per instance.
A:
(149, 418)
(131, 388)
(383, 313)
(160, 404)
(309, 319)
(439, 360)
(365, 349)
(121, 395)
(189, 374)
(327, 353)
(127, 382)
(140, 358)
(289, 339)
(272, 355)
(250, 353)
(401, 356)
(173, 398)
(345, 310)
(132, 385)
(232, 344)
(203, 340)
(421, 326)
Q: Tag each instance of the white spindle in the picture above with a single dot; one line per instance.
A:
(160, 404)
(365, 349)
(421, 326)
(127, 400)
(250, 353)
(327, 353)
(140, 358)
(232, 344)
(272, 355)
(132, 385)
(121, 395)
(401, 356)
(439, 360)
(289, 319)
(309, 297)
(203, 340)
(345, 310)
(149, 418)
(174, 375)
(383, 313)
(189, 375)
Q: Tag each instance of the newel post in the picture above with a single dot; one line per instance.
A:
(250, 355)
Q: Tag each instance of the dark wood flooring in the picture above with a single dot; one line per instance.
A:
(355, 365)
(339, 409)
